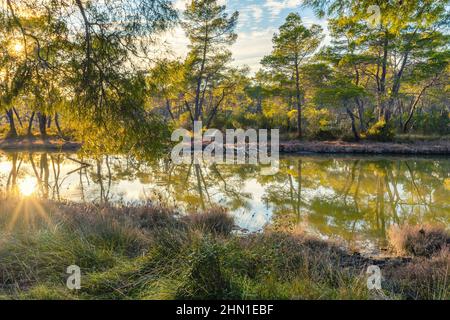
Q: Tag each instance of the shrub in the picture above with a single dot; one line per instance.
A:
(380, 131)
(348, 137)
(324, 135)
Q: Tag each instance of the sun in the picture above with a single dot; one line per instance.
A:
(17, 47)
(27, 186)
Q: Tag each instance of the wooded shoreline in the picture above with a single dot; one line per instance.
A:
(438, 147)
(340, 147)
(38, 144)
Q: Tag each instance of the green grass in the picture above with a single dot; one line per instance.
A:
(152, 253)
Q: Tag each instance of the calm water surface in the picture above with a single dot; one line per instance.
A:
(355, 199)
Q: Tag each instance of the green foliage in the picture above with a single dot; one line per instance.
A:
(94, 76)
(210, 30)
(319, 121)
(380, 131)
(86, 69)
(292, 47)
(433, 122)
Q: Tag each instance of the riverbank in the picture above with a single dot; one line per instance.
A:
(432, 147)
(35, 143)
(154, 253)
(438, 147)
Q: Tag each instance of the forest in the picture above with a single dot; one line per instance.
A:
(85, 70)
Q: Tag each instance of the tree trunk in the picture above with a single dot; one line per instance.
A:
(12, 180)
(58, 127)
(198, 91)
(352, 117)
(362, 125)
(87, 40)
(12, 126)
(30, 124)
(397, 82)
(416, 102)
(382, 87)
(410, 116)
(259, 104)
(45, 174)
(169, 109)
(299, 189)
(49, 122)
(400, 114)
(42, 118)
(299, 104)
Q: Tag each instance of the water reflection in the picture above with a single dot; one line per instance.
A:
(355, 199)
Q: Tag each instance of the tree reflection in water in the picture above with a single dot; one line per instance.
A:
(355, 199)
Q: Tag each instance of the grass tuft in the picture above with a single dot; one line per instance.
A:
(419, 241)
(215, 220)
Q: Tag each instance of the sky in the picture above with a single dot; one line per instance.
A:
(258, 21)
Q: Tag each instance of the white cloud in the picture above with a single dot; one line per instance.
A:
(180, 4)
(177, 41)
(250, 16)
(276, 6)
(257, 13)
(251, 47)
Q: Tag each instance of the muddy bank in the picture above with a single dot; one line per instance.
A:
(38, 144)
(417, 148)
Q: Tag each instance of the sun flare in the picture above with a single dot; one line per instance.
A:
(18, 47)
(27, 186)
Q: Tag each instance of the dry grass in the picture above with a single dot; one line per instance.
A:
(215, 220)
(151, 252)
(419, 241)
(423, 278)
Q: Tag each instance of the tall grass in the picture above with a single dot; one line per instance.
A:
(419, 241)
(151, 252)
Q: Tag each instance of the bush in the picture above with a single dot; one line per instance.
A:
(324, 135)
(431, 122)
(419, 241)
(380, 131)
(348, 137)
